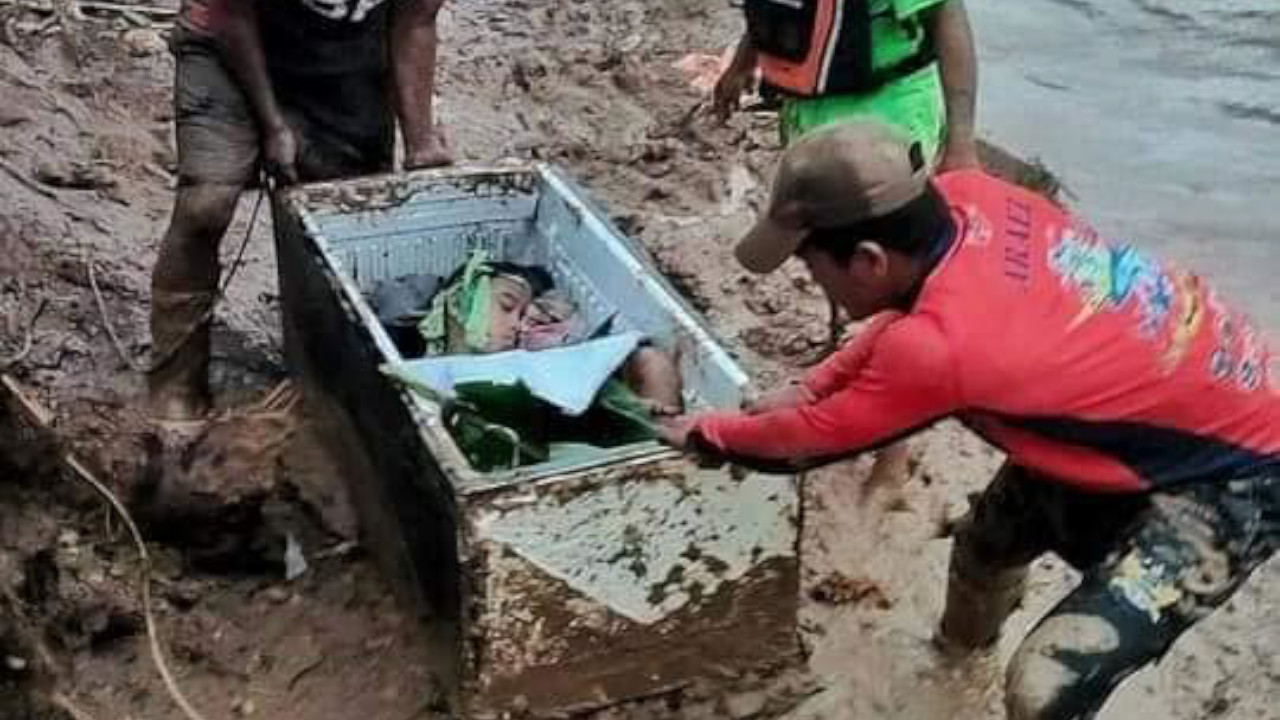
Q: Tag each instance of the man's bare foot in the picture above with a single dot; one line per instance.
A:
(177, 406)
(949, 650)
(432, 153)
(963, 683)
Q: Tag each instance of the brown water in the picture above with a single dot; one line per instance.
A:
(1162, 116)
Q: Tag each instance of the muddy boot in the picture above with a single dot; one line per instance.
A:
(212, 494)
(979, 600)
(178, 382)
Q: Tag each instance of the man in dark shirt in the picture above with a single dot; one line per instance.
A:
(308, 90)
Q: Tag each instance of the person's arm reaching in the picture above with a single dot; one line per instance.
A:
(413, 59)
(948, 25)
(240, 42)
(906, 384)
(735, 80)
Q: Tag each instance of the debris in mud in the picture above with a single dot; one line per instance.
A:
(144, 42)
(629, 224)
(1032, 174)
(26, 334)
(785, 342)
(295, 563)
(12, 115)
(54, 599)
(764, 304)
(210, 495)
(746, 705)
(1217, 705)
(74, 175)
(840, 589)
(945, 520)
(702, 70)
(685, 282)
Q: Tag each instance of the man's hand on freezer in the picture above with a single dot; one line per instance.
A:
(680, 433)
(674, 431)
(280, 154)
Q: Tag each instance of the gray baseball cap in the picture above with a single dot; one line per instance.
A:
(836, 176)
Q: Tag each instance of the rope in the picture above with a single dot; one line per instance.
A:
(144, 578)
(191, 330)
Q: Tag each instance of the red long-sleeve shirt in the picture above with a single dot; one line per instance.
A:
(1082, 359)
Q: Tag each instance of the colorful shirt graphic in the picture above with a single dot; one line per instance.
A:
(1085, 360)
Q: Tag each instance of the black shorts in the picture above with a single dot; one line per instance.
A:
(343, 121)
(1153, 566)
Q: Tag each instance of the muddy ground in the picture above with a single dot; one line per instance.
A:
(86, 161)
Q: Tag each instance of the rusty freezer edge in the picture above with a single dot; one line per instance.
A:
(629, 581)
(428, 544)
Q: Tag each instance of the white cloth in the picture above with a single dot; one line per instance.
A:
(568, 377)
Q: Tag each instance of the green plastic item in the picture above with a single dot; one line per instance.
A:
(502, 427)
(458, 319)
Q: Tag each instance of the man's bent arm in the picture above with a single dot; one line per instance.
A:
(948, 25)
(240, 41)
(745, 55)
(413, 58)
(907, 383)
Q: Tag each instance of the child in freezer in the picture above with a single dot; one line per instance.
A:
(492, 306)
(515, 409)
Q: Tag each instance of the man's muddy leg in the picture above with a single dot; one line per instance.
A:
(1078, 654)
(183, 285)
(1189, 554)
(1066, 668)
(217, 142)
(994, 545)
(981, 594)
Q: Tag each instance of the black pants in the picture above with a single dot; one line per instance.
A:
(343, 123)
(1153, 566)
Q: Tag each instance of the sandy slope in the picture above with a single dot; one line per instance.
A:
(585, 84)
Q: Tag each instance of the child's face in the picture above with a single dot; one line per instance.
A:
(510, 298)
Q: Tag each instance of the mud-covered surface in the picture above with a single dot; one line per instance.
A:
(86, 163)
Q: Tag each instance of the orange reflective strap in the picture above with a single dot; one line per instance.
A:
(806, 77)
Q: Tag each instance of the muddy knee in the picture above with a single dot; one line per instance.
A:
(205, 210)
(189, 255)
(183, 286)
(1056, 674)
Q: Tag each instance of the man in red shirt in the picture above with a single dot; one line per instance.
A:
(1140, 414)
